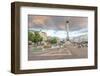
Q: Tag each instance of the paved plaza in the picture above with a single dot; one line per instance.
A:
(69, 52)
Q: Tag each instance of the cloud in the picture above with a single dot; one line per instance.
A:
(57, 22)
(40, 20)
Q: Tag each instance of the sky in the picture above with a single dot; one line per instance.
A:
(55, 25)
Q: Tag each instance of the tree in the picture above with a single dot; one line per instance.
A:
(30, 36)
(40, 39)
(53, 40)
(37, 38)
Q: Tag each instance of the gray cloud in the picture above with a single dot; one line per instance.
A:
(57, 22)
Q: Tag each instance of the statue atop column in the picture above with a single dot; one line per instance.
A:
(67, 34)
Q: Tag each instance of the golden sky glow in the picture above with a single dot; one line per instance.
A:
(40, 19)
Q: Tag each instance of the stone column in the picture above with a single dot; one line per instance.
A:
(67, 30)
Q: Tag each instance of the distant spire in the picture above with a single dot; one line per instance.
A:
(40, 30)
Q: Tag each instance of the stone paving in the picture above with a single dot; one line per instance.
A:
(68, 52)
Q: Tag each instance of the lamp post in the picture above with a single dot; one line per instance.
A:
(67, 30)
